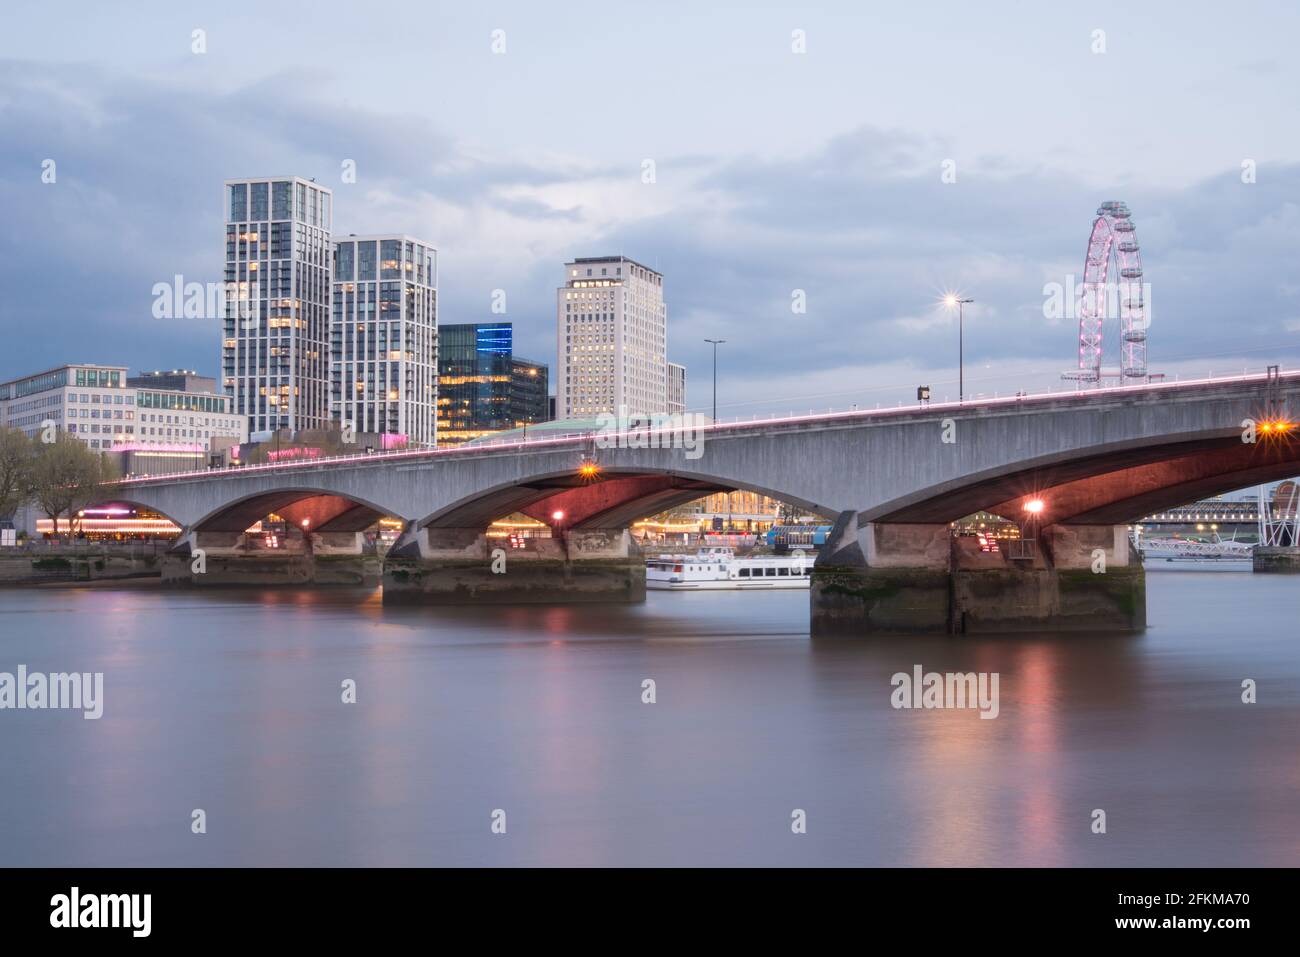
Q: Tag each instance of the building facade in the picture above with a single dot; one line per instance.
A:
(152, 429)
(275, 351)
(483, 387)
(89, 401)
(676, 398)
(174, 380)
(612, 339)
(383, 343)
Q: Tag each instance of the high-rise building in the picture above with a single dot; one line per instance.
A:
(275, 354)
(483, 387)
(612, 329)
(384, 337)
(676, 398)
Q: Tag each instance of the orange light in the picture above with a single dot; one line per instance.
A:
(1034, 506)
(589, 470)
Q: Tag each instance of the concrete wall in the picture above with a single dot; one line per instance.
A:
(209, 559)
(23, 567)
(917, 579)
(463, 566)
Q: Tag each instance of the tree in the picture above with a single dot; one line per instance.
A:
(16, 455)
(68, 476)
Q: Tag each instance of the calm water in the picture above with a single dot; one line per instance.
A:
(230, 702)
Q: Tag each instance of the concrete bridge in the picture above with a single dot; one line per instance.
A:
(1072, 468)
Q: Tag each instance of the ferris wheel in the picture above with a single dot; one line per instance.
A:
(1121, 300)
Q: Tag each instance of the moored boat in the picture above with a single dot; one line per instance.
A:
(716, 569)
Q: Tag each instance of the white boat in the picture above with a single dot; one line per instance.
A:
(715, 569)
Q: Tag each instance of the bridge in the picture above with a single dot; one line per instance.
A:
(1072, 468)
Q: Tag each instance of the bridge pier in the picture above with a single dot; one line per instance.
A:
(1276, 560)
(457, 566)
(232, 558)
(918, 579)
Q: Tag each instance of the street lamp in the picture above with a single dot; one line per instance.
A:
(951, 300)
(716, 343)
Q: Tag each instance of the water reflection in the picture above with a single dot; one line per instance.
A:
(231, 701)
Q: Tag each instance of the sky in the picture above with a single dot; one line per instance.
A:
(861, 158)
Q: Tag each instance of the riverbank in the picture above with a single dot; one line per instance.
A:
(43, 563)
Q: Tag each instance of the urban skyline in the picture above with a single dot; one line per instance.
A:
(840, 205)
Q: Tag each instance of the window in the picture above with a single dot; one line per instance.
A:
(259, 204)
(238, 202)
(281, 200)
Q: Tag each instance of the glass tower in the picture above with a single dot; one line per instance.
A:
(483, 387)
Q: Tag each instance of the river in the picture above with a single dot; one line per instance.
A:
(231, 702)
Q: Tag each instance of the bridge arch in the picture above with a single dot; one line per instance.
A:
(613, 498)
(1104, 485)
(324, 511)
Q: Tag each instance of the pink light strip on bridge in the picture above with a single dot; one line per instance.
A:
(570, 438)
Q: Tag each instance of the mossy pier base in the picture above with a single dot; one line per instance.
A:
(207, 559)
(458, 566)
(919, 579)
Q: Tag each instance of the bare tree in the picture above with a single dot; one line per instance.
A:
(68, 476)
(16, 456)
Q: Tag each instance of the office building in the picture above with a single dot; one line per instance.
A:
(612, 331)
(483, 387)
(149, 430)
(275, 351)
(89, 401)
(383, 344)
(676, 397)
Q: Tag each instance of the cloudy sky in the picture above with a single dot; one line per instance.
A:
(774, 171)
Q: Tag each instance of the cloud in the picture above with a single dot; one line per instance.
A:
(861, 223)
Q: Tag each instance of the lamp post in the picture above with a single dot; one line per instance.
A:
(950, 300)
(716, 343)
